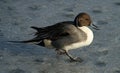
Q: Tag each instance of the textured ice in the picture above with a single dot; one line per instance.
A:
(16, 17)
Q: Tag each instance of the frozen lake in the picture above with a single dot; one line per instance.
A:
(16, 17)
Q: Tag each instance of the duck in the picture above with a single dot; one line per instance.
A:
(66, 35)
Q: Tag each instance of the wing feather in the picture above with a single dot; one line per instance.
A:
(53, 32)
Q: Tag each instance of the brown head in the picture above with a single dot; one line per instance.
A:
(82, 19)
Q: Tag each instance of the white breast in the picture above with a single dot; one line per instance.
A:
(88, 41)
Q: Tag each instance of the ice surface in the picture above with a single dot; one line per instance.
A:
(16, 17)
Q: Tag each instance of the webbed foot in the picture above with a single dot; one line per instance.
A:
(77, 59)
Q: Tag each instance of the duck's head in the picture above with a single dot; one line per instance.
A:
(83, 19)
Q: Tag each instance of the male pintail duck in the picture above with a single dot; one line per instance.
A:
(65, 36)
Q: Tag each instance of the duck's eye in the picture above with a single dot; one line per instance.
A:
(87, 19)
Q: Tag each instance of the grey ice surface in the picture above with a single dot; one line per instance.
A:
(16, 17)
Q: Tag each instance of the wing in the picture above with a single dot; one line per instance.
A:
(53, 32)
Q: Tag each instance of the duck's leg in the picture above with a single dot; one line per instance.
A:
(76, 59)
(60, 51)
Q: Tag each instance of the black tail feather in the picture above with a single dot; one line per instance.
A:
(40, 35)
(27, 41)
(39, 30)
(40, 43)
(36, 28)
(16, 41)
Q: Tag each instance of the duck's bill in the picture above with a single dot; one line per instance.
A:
(95, 27)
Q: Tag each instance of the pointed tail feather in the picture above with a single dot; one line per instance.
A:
(27, 41)
(39, 30)
(41, 43)
(38, 38)
(36, 28)
(16, 41)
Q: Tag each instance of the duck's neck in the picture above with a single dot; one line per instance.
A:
(89, 33)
